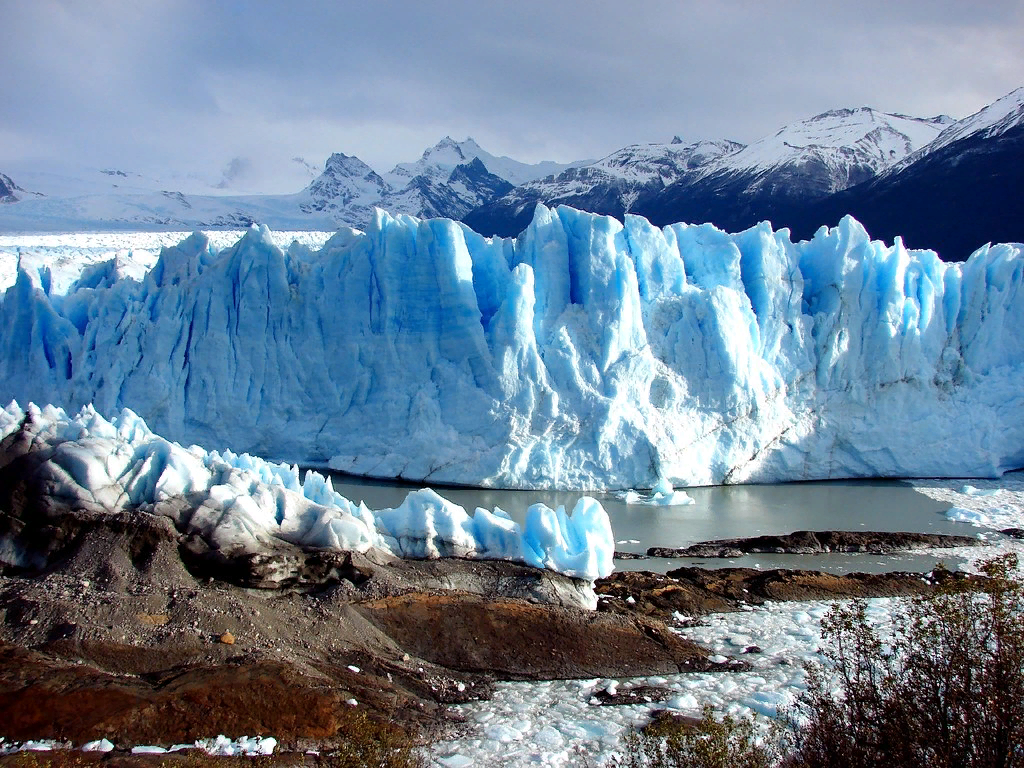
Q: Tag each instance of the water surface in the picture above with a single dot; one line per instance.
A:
(722, 512)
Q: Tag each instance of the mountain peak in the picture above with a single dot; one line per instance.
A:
(7, 189)
(340, 162)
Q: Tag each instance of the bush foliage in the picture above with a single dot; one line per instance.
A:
(710, 743)
(944, 690)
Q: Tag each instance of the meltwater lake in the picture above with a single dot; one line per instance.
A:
(722, 512)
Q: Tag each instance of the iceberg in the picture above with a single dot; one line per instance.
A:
(241, 504)
(584, 354)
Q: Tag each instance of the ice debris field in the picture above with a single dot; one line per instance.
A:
(241, 504)
(584, 354)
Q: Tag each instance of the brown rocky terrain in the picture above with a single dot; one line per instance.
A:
(112, 635)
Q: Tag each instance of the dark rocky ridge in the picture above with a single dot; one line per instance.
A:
(694, 592)
(817, 543)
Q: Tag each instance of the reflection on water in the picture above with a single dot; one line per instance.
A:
(723, 512)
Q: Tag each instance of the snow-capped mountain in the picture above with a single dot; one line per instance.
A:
(953, 195)
(347, 186)
(724, 182)
(998, 118)
(440, 160)
(450, 179)
(7, 189)
(466, 187)
(829, 152)
(807, 174)
(586, 353)
(611, 186)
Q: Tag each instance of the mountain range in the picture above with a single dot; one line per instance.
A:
(940, 183)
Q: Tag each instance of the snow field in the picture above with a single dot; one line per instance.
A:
(68, 254)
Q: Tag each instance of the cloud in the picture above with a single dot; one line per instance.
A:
(192, 83)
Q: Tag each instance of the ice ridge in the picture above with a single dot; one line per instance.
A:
(586, 353)
(241, 504)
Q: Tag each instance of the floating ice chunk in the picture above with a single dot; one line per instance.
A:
(686, 701)
(972, 516)
(502, 733)
(970, 490)
(549, 737)
(662, 495)
(148, 750)
(768, 702)
(663, 487)
(580, 545)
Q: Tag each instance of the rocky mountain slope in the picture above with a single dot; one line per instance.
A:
(610, 186)
(7, 189)
(724, 182)
(957, 193)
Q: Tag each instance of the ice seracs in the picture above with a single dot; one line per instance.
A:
(586, 353)
(240, 504)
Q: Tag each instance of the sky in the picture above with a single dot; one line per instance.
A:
(233, 91)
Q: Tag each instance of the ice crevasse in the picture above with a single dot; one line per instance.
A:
(585, 353)
(241, 504)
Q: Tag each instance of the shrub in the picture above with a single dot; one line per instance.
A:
(946, 692)
(710, 743)
(368, 743)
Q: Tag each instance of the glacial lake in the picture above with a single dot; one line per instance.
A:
(722, 512)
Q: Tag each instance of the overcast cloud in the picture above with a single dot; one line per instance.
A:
(243, 87)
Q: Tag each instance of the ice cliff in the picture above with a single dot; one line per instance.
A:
(583, 354)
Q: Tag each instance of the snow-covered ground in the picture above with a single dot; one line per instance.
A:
(67, 254)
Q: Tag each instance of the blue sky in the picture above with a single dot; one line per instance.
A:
(194, 85)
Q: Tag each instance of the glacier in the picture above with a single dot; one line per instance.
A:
(586, 353)
(242, 505)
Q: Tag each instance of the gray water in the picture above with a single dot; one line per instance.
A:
(722, 512)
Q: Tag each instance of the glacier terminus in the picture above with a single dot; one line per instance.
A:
(583, 354)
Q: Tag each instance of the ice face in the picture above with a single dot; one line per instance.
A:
(584, 354)
(241, 504)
